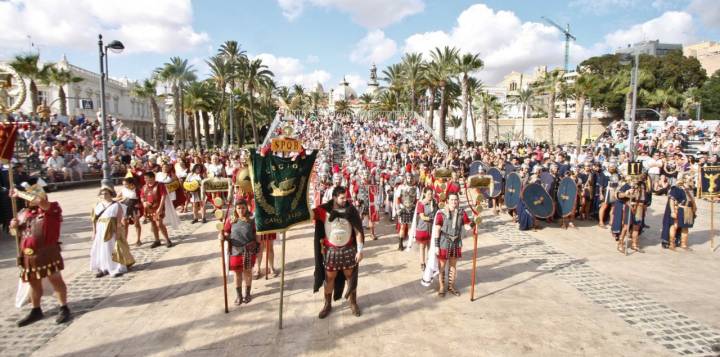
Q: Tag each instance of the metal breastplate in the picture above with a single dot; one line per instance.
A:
(34, 228)
(363, 194)
(338, 232)
(241, 234)
(449, 228)
(429, 211)
(408, 197)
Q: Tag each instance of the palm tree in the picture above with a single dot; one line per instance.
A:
(446, 59)
(550, 86)
(486, 101)
(466, 65)
(257, 75)
(198, 98)
(148, 90)
(585, 86)
(455, 123)
(413, 73)
(298, 97)
(342, 108)
(221, 71)
(474, 86)
(366, 99)
(27, 66)
(525, 98)
(237, 59)
(434, 77)
(497, 109)
(177, 73)
(620, 83)
(61, 77)
(663, 99)
(316, 100)
(284, 95)
(387, 100)
(393, 77)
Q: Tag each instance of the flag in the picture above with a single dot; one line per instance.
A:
(280, 187)
(8, 134)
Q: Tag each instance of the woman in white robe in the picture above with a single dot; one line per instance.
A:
(110, 253)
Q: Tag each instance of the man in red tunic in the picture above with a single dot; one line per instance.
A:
(153, 196)
(39, 229)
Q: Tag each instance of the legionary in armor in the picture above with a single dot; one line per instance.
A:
(608, 185)
(239, 230)
(364, 192)
(448, 226)
(39, 228)
(153, 196)
(627, 213)
(680, 213)
(339, 240)
(405, 198)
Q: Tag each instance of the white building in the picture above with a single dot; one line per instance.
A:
(84, 98)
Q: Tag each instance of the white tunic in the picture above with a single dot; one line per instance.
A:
(101, 253)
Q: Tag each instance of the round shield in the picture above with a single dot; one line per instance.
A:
(538, 201)
(547, 180)
(191, 186)
(509, 168)
(566, 196)
(477, 167)
(219, 226)
(218, 201)
(512, 190)
(219, 214)
(497, 181)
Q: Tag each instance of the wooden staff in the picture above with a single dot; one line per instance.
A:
(267, 256)
(282, 282)
(712, 224)
(224, 272)
(474, 264)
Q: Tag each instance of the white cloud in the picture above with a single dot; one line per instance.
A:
(373, 48)
(289, 71)
(312, 59)
(357, 82)
(159, 26)
(708, 11)
(371, 14)
(670, 27)
(503, 41)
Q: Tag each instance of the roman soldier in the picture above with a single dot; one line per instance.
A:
(239, 230)
(38, 225)
(586, 186)
(627, 214)
(680, 213)
(363, 193)
(338, 244)
(405, 198)
(448, 225)
(422, 224)
(155, 207)
(608, 185)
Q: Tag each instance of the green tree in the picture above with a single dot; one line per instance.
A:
(413, 75)
(709, 97)
(61, 77)
(446, 60)
(177, 73)
(467, 64)
(525, 98)
(367, 100)
(257, 76)
(221, 71)
(550, 86)
(342, 108)
(662, 99)
(147, 90)
(237, 60)
(28, 66)
(584, 87)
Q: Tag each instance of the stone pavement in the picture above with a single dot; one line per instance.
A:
(549, 293)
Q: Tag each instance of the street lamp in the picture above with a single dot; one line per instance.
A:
(635, 57)
(117, 47)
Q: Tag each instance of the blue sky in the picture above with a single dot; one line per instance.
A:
(305, 41)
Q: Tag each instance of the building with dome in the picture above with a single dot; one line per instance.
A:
(343, 92)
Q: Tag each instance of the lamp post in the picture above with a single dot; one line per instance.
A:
(117, 47)
(634, 84)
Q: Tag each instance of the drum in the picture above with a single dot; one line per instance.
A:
(191, 186)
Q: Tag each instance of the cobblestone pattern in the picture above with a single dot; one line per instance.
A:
(85, 291)
(670, 328)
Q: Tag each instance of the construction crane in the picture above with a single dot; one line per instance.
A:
(568, 37)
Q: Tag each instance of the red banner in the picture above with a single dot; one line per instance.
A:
(8, 134)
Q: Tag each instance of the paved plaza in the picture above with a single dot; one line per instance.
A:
(547, 293)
